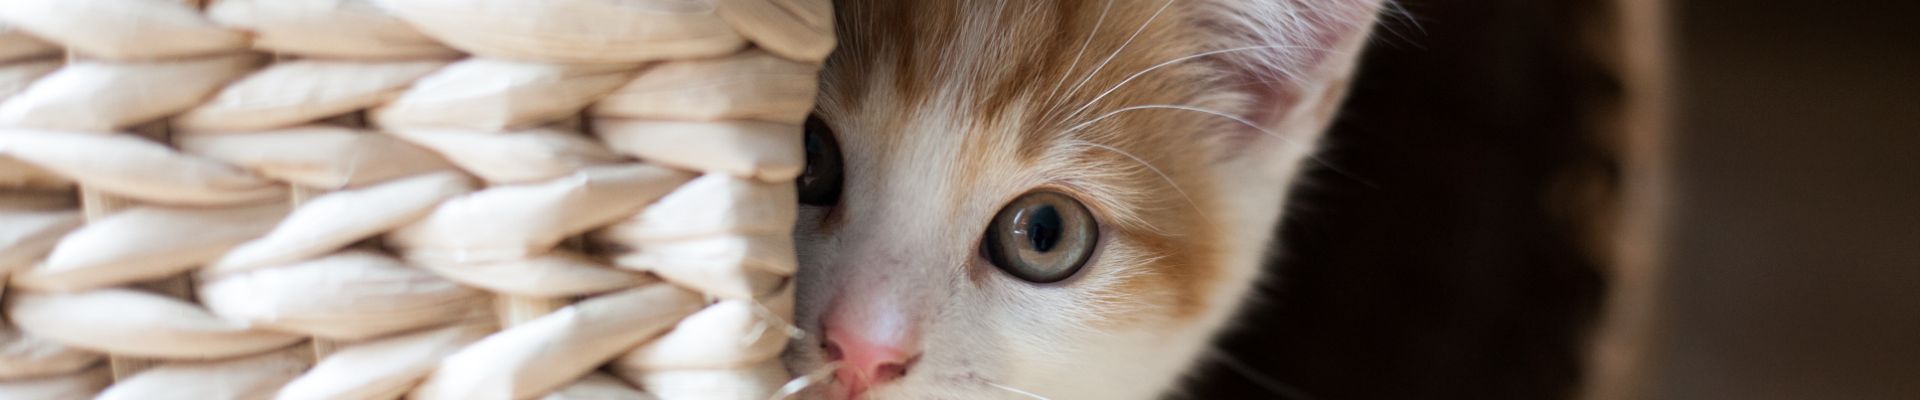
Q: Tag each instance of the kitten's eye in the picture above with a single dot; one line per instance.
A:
(1042, 237)
(820, 182)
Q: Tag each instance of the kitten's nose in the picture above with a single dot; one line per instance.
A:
(871, 349)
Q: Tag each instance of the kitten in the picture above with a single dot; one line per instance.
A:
(1056, 199)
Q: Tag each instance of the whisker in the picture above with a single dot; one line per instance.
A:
(1016, 391)
(1123, 47)
(768, 314)
(1395, 7)
(1237, 119)
(1234, 118)
(1137, 75)
(1392, 15)
(1156, 171)
(1275, 386)
(1068, 74)
(801, 383)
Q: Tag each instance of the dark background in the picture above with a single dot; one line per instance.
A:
(1795, 271)
(1445, 252)
(1423, 260)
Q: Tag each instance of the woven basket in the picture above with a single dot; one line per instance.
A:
(365, 199)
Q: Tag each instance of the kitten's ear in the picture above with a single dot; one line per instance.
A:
(1294, 56)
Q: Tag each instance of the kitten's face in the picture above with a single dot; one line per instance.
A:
(1012, 213)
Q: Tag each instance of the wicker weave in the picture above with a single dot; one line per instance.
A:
(365, 199)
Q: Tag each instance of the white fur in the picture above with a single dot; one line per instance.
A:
(908, 236)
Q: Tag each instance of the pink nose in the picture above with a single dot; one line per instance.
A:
(870, 352)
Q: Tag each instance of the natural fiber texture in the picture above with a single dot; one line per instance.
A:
(368, 199)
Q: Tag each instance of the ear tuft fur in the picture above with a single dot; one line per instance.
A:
(1287, 41)
(1288, 52)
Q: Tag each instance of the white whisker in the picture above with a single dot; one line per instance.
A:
(1137, 75)
(1394, 7)
(1269, 383)
(1156, 171)
(1017, 391)
(770, 320)
(1123, 47)
(1236, 119)
(1068, 74)
(801, 383)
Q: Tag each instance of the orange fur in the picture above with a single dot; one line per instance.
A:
(1016, 109)
(1146, 111)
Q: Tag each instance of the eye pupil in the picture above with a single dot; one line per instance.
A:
(1043, 228)
(1041, 237)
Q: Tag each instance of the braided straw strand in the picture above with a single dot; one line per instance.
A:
(377, 199)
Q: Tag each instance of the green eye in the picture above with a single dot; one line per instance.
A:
(1041, 237)
(819, 183)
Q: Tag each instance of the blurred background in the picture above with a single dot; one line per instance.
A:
(1607, 199)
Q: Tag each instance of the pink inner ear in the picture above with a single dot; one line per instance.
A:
(1298, 39)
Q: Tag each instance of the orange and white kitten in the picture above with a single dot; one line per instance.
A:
(1058, 199)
